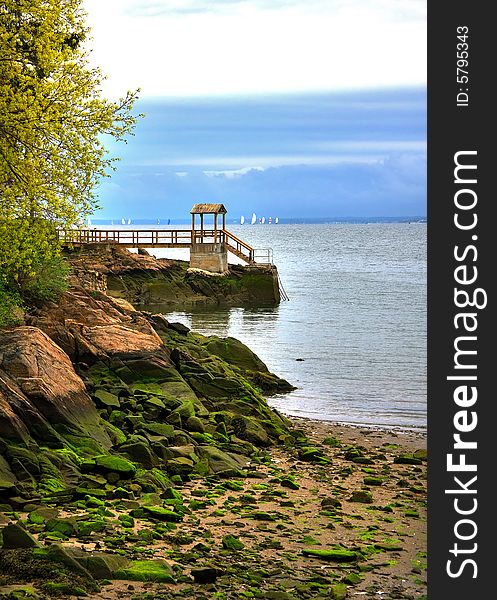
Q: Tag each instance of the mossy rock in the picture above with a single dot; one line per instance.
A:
(139, 452)
(251, 430)
(162, 514)
(363, 496)
(338, 591)
(162, 429)
(106, 398)
(220, 462)
(103, 565)
(59, 588)
(146, 570)
(371, 480)
(14, 537)
(407, 459)
(338, 556)
(289, 483)
(66, 527)
(230, 542)
(110, 463)
(311, 454)
(352, 579)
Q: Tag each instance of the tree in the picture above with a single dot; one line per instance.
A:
(52, 126)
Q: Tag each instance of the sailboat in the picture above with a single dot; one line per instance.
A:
(242, 220)
(254, 219)
(129, 221)
(276, 220)
(89, 222)
(270, 220)
(263, 220)
(123, 222)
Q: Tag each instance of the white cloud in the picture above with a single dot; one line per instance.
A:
(181, 173)
(194, 48)
(233, 173)
(237, 165)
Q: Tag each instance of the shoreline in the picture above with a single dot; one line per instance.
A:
(386, 429)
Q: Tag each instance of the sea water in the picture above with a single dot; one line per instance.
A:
(352, 337)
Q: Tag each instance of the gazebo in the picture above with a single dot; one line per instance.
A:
(208, 209)
(208, 250)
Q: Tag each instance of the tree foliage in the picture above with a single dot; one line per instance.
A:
(53, 122)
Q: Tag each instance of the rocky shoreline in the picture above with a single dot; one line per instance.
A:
(141, 460)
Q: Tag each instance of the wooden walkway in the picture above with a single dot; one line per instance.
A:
(158, 238)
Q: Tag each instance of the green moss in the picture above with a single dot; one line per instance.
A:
(162, 514)
(230, 542)
(146, 570)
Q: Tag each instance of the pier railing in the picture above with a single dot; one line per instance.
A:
(158, 238)
(176, 238)
(238, 247)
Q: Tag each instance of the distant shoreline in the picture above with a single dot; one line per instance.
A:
(116, 222)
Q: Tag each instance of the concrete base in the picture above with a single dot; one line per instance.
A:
(209, 257)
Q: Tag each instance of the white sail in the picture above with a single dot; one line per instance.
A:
(129, 221)
(276, 220)
(254, 218)
(263, 220)
(89, 222)
(242, 220)
(123, 222)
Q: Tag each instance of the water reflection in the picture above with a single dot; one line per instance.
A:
(235, 322)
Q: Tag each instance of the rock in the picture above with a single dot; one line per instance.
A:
(220, 462)
(105, 463)
(330, 502)
(371, 480)
(289, 483)
(140, 453)
(194, 424)
(408, 459)
(66, 527)
(162, 514)
(102, 565)
(179, 328)
(251, 430)
(60, 554)
(107, 399)
(332, 555)
(146, 570)
(14, 537)
(204, 574)
(53, 393)
(230, 542)
(338, 591)
(361, 496)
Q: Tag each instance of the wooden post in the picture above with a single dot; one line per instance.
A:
(193, 228)
(201, 228)
(215, 228)
(224, 221)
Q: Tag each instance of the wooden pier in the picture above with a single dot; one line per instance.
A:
(158, 238)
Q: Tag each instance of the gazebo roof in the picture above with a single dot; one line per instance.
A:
(208, 209)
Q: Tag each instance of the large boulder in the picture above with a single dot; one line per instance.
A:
(92, 326)
(48, 392)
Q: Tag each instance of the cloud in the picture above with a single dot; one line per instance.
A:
(197, 48)
(233, 173)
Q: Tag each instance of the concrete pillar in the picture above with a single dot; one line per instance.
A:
(209, 257)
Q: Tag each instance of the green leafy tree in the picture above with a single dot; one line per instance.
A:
(53, 123)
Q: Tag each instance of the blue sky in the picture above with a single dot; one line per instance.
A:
(284, 107)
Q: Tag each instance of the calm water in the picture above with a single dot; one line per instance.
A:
(352, 337)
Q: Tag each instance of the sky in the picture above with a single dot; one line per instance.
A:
(285, 107)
